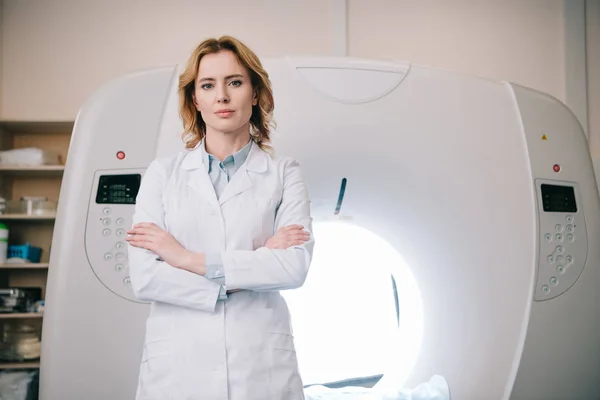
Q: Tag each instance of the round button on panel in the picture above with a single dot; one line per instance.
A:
(569, 228)
(559, 249)
(569, 219)
(551, 259)
(560, 269)
(106, 211)
(106, 221)
(120, 257)
(554, 281)
(127, 281)
(119, 267)
(108, 256)
(120, 245)
(120, 221)
(559, 228)
(545, 289)
(559, 258)
(120, 232)
(569, 259)
(559, 237)
(548, 237)
(106, 232)
(570, 237)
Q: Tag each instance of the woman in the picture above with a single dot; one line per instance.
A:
(203, 249)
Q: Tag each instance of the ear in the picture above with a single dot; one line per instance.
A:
(255, 99)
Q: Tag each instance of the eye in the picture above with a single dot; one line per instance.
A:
(235, 83)
(206, 86)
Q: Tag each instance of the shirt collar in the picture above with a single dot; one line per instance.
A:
(238, 157)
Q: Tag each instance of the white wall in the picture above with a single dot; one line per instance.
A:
(593, 74)
(1, 40)
(515, 40)
(55, 53)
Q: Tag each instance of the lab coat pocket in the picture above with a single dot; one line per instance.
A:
(156, 371)
(286, 383)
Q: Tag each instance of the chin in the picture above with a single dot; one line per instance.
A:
(227, 127)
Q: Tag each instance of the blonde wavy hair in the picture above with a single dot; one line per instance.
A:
(261, 120)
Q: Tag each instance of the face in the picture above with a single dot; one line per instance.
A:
(224, 95)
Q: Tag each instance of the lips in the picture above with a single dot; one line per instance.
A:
(224, 113)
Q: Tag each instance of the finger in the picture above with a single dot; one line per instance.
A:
(298, 235)
(137, 239)
(145, 231)
(290, 227)
(142, 244)
(145, 225)
(290, 233)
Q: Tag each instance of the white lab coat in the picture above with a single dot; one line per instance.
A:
(195, 346)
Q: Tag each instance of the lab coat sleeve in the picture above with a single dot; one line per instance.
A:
(265, 269)
(214, 272)
(153, 279)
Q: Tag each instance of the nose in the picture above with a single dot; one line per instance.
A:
(222, 95)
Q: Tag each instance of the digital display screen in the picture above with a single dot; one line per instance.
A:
(118, 189)
(558, 198)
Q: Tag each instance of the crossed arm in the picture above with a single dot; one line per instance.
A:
(162, 270)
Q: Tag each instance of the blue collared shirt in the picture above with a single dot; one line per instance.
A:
(220, 173)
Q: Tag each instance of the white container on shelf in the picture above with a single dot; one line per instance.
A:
(29, 156)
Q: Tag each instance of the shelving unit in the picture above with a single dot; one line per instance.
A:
(17, 181)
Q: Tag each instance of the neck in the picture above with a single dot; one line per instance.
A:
(221, 144)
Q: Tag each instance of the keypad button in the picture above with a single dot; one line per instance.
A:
(559, 249)
(554, 281)
(548, 237)
(570, 237)
(569, 228)
(569, 219)
(559, 258)
(108, 256)
(550, 259)
(559, 237)
(545, 289)
(560, 269)
(106, 211)
(127, 281)
(120, 257)
(558, 228)
(106, 232)
(569, 259)
(120, 245)
(119, 267)
(120, 232)
(120, 221)
(106, 221)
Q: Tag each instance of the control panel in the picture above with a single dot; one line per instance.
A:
(563, 238)
(110, 212)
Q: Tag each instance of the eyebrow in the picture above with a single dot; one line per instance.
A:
(226, 78)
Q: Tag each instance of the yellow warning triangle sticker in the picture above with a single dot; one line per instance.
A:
(544, 137)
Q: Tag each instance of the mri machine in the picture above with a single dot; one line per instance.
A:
(486, 190)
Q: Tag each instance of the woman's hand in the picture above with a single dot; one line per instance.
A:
(288, 236)
(149, 236)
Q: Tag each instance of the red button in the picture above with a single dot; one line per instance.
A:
(120, 155)
(556, 167)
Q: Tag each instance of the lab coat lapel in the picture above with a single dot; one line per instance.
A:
(196, 175)
(256, 162)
